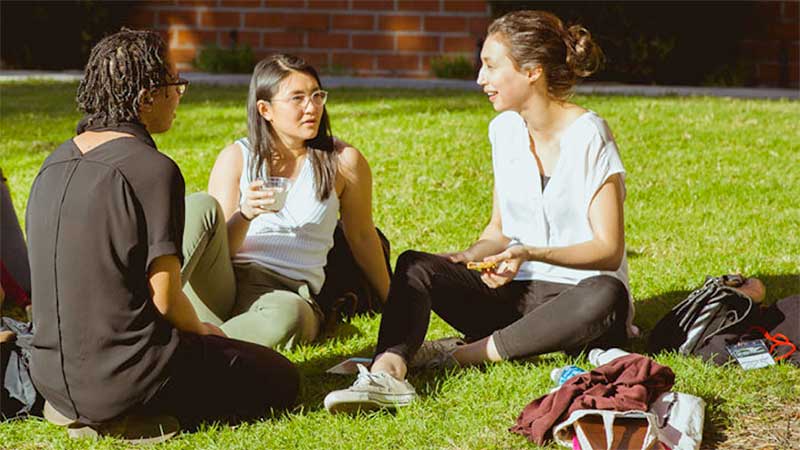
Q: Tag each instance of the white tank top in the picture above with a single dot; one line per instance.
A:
(293, 242)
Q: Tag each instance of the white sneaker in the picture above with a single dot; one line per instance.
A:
(369, 392)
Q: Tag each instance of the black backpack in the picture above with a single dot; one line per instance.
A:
(346, 291)
(713, 309)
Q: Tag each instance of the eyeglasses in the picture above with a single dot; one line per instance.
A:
(318, 98)
(182, 84)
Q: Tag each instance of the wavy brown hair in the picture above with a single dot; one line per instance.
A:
(540, 38)
(264, 84)
(120, 67)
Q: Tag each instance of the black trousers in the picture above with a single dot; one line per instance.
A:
(525, 317)
(213, 378)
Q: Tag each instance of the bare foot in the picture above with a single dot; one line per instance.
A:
(753, 288)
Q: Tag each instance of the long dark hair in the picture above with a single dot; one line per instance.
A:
(539, 37)
(120, 67)
(266, 80)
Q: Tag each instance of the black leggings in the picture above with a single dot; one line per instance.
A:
(214, 378)
(525, 317)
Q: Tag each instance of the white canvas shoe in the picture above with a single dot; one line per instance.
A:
(371, 391)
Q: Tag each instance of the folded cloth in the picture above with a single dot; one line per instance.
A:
(628, 383)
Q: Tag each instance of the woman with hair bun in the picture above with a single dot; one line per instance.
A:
(551, 273)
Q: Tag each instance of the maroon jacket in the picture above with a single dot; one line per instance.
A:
(631, 382)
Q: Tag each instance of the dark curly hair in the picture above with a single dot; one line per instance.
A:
(119, 68)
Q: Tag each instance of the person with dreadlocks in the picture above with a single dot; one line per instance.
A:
(118, 348)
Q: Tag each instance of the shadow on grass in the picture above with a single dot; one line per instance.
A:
(650, 310)
(715, 424)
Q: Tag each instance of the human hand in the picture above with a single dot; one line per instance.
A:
(508, 263)
(208, 328)
(257, 200)
(457, 257)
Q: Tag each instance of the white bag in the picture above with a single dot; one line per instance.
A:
(680, 420)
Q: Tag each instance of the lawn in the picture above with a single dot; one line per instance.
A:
(713, 187)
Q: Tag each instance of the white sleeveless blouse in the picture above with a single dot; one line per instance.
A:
(295, 241)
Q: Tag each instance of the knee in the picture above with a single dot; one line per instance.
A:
(293, 322)
(414, 265)
(606, 297)
(204, 206)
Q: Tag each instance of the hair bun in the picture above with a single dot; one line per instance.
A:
(584, 56)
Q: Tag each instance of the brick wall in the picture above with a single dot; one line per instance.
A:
(771, 51)
(360, 37)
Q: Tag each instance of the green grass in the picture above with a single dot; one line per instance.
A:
(713, 187)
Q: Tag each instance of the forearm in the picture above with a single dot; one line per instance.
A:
(368, 253)
(589, 255)
(181, 314)
(237, 230)
(491, 242)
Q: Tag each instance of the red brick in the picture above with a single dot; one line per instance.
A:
(284, 4)
(142, 18)
(373, 41)
(251, 38)
(398, 62)
(318, 21)
(418, 43)
(373, 5)
(353, 22)
(418, 5)
(794, 74)
(788, 31)
(790, 11)
(181, 55)
(220, 19)
(264, 20)
(766, 51)
(400, 23)
(465, 5)
(327, 4)
(282, 39)
(445, 23)
(328, 40)
(174, 17)
(459, 44)
(794, 52)
(193, 38)
(355, 61)
(207, 3)
(316, 59)
(769, 74)
(240, 3)
(478, 25)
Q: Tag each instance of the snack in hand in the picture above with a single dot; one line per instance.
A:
(480, 265)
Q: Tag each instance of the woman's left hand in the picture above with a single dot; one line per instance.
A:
(508, 264)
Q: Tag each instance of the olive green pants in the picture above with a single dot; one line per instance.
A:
(248, 301)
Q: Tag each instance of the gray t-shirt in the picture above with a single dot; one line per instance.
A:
(95, 222)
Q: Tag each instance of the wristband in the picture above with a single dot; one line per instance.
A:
(248, 219)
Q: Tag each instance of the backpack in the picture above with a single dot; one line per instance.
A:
(346, 291)
(18, 396)
(708, 311)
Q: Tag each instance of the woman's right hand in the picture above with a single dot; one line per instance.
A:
(256, 201)
(462, 257)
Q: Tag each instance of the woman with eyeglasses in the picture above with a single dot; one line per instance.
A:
(118, 348)
(281, 190)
